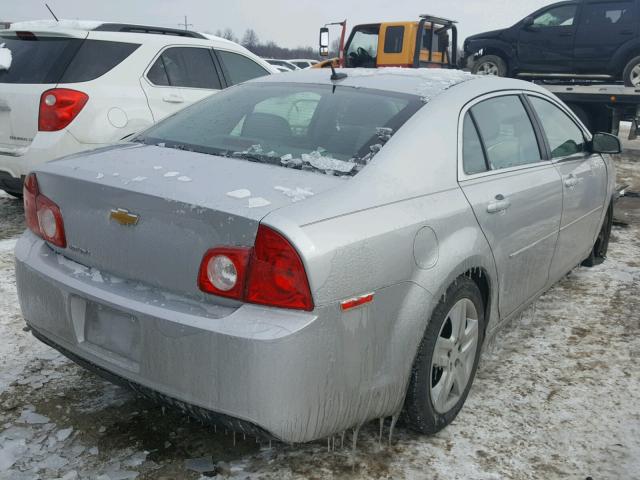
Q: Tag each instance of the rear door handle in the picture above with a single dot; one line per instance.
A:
(570, 181)
(173, 98)
(500, 204)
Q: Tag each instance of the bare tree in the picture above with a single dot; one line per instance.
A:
(250, 39)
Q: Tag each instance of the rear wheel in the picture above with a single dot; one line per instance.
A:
(631, 73)
(490, 65)
(447, 359)
(17, 195)
(599, 252)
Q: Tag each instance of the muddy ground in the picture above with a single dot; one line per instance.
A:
(556, 396)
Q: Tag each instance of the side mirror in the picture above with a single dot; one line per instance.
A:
(528, 23)
(605, 143)
(324, 42)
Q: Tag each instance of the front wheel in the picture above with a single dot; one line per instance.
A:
(599, 252)
(631, 73)
(447, 359)
(491, 65)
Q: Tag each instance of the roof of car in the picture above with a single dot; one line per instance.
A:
(115, 27)
(427, 83)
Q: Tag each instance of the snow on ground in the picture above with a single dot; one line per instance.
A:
(555, 397)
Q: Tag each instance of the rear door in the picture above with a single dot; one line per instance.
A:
(180, 76)
(547, 45)
(604, 27)
(584, 181)
(38, 60)
(515, 193)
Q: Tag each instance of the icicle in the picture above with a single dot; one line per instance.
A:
(354, 446)
(162, 410)
(215, 429)
(234, 438)
(342, 439)
(394, 419)
(380, 434)
(269, 444)
(328, 444)
(244, 436)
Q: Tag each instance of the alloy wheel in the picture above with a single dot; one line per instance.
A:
(454, 355)
(488, 68)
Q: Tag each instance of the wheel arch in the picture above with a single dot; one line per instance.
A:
(492, 47)
(623, 56)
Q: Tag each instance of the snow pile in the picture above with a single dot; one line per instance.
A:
(5, 57)
(62, 24)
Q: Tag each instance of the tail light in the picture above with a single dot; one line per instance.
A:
(43, 216)
(271, 273)
(59, 107)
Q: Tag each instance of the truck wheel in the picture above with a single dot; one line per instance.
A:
(599, 252)
(490, 65)
(631, 73)
(447, 359)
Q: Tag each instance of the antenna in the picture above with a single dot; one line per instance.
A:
(51, 12)
(335, 75)
(185, 24)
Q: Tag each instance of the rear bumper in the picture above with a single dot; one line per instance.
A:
(299, 376)
(46, 146)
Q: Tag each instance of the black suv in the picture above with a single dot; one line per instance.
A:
(590, 39)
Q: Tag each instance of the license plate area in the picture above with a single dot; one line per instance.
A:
(112, 334)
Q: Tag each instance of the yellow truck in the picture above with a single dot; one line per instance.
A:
(428, 42)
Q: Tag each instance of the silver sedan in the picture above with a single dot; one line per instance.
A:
(299, 255)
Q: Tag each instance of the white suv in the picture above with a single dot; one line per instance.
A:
(70, 86)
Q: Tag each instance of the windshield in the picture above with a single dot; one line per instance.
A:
(325, 128)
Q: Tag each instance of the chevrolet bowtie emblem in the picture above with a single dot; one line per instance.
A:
(123, 217)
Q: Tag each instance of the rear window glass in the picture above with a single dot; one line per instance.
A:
(95, 58)
(238, 68)
(328, 129)
(44, 60)
(188, 67)
(393, 39)
(36, 59)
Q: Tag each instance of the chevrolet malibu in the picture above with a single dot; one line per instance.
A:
(303, 253)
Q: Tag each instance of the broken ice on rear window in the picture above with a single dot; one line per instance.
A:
(327, 129)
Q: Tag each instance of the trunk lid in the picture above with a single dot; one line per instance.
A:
(185, 203)
(30, 64)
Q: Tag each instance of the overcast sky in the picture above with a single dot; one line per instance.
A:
(290, 23)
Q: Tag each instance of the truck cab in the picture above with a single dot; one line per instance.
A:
(428, 42)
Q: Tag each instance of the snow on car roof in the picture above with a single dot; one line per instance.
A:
(425, 82)
(52, 24)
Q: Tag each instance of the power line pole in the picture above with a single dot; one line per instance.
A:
(185, 24)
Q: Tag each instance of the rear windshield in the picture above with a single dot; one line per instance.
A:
(37, 59)
(329, 129)
(47, 60)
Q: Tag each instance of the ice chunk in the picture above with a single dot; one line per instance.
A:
(62, 435)
(257, 202)
(5, 57)
(317, 160)
(32, 418)
(184, 178)
(96, 276)
(158, 167)
(241, 193)
(138, 179)
(200, 465)
(295, 194)
(99, 176)
(171, 174)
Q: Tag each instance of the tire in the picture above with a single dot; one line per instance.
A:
(490, 65)
(599, 251)
(428, 406)
(631, 73)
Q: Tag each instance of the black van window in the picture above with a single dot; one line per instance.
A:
(556, 17)
(95, 58)
(609, 13)
(393, 39)
(37, 59)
